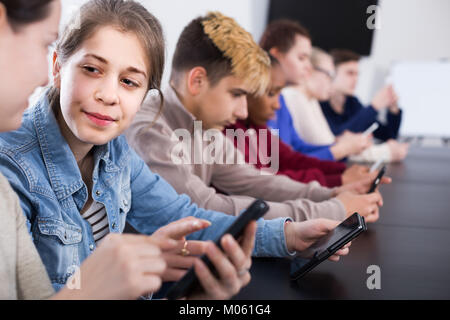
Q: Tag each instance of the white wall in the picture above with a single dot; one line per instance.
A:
(410, 30)
(174, 15)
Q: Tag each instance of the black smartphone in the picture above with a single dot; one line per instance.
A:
(377, 180)
(189, 282)
(326, 246)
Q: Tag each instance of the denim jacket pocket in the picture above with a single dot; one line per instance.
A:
(58, 244)
(67, 234)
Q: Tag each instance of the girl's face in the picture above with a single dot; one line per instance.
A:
(319, 83)
(262, 109)
(296, 62)
(23, 63)
(102, 85)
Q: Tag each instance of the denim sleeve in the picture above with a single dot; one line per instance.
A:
(155, 203)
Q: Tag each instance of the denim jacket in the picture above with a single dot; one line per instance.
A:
(43, 171)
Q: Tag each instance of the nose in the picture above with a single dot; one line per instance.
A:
(309, 67)
(276, 104)
(107, 93)
(241, 111)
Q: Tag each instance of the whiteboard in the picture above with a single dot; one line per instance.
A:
(423, 88)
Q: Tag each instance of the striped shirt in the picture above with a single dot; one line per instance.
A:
(98, 219)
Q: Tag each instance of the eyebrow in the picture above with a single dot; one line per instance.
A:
(103, 60)
(239, 91)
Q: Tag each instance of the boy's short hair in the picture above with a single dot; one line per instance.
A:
(344, 55)
(281, 34)
(218, 44)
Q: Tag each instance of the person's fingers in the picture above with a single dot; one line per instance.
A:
(373, 217)
(155, 265)
(226, 270)
(183, 227)
(334, 258)
(326, 225)
(178, 261)
(148, 283)
(342, 252)
(163, 242)
(248, 238)
(234, 252)
(374, 197)
(386, 180)
(195, 247)
(173, 274)
(210, 285)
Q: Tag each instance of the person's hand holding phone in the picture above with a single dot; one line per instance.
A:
(363, 185)
(367, 205)
(124, 266)
(182, 257)
(301, 235)
(232, 266)
(355, 173)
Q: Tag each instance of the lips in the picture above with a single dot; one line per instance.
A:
(99, 119)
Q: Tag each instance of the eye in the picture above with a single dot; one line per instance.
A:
(91, 69)
(130, 83)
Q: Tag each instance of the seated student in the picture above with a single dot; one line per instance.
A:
(291, 163)
(211, 76)
(290, 44)
(260, 109)
(77, 179)
(309, 121)
(31, 26)
(344, 111)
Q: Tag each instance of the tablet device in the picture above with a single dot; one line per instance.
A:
(190, 282)
(326, 246)
(377, 180)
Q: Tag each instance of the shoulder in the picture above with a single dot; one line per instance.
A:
(20, 140)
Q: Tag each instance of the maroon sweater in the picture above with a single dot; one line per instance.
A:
(291, 163)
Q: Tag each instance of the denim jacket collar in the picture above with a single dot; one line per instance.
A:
(60, 162)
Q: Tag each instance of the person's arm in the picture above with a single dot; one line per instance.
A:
(361, 117)
(292, 160)
(391, 128)
(316, 151)
(155, 203)
(242, 182)
(32, 279)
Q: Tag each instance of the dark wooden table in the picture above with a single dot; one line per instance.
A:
(410, 243)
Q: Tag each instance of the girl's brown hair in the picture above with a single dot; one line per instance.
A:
(126, 16)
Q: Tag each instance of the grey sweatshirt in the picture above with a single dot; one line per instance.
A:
(22, 273)
(155, 142)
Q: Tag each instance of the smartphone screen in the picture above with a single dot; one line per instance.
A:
(327, 245)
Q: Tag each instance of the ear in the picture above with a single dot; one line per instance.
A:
(197, 80)
(56, 71)
(274, 52)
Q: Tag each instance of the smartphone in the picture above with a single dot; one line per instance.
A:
(377, 180)
(376, 165)
(189, 282)
(326, 246)
(371, 129)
